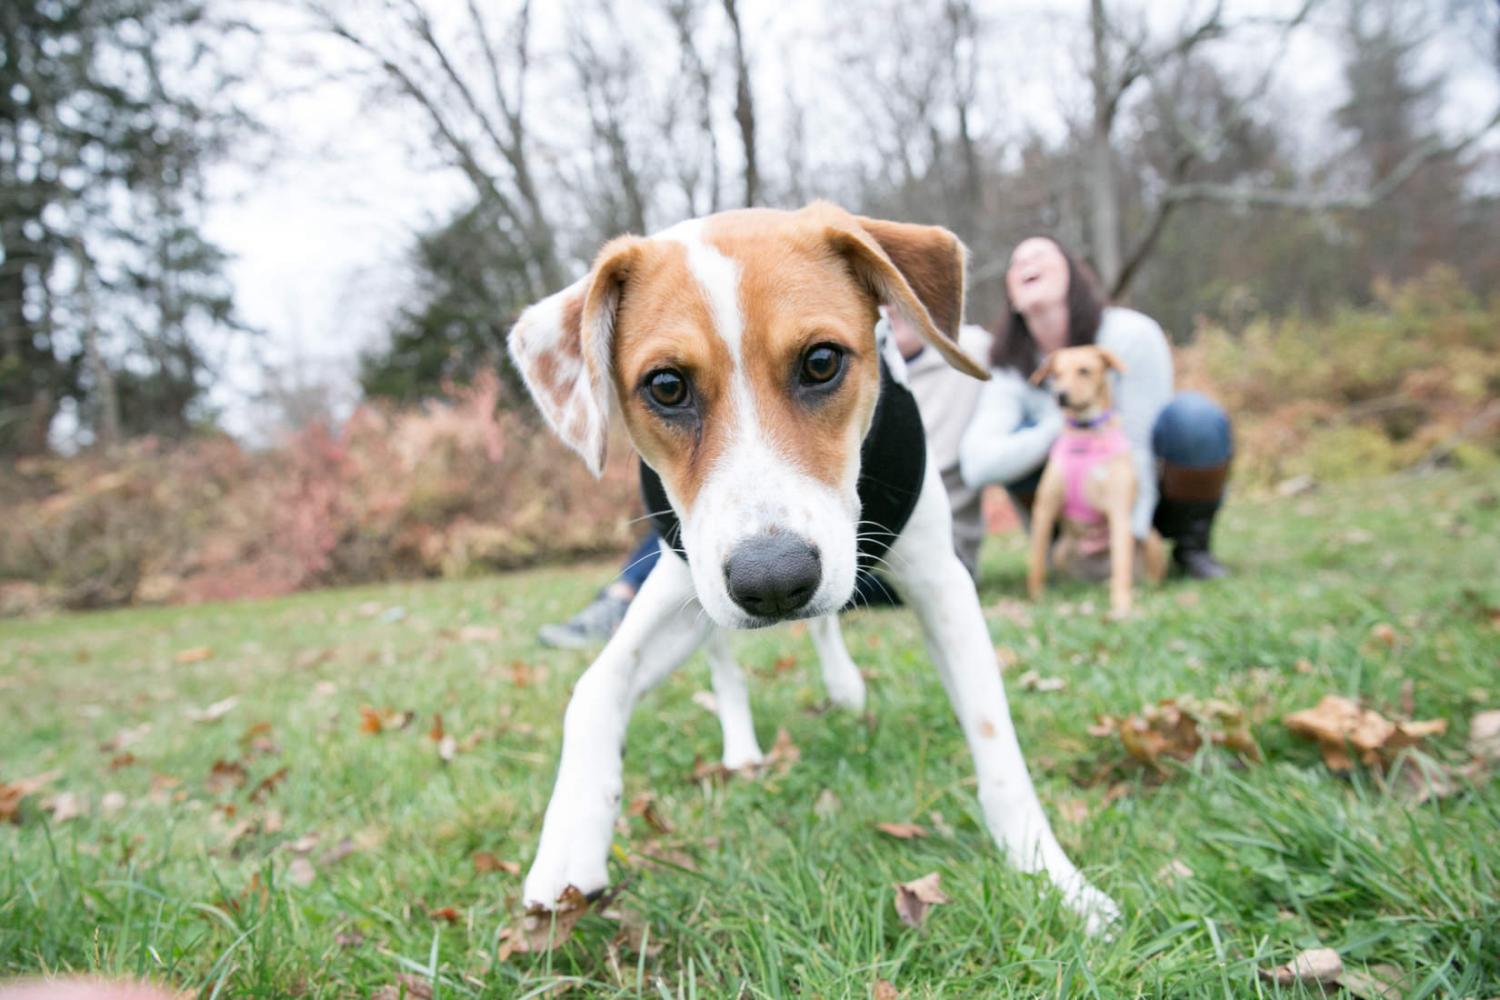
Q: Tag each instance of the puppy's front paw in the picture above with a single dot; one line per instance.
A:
(550, 877)
(846, 688)
(738, 758)
(1099, 912)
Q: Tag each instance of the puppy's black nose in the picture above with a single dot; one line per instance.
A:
(771, 576)
(1062, 400)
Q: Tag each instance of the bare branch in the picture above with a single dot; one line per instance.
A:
(1322, 201)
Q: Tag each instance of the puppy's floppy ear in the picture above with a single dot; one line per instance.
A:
(1044, 370)
(562, 347)
(916, 270)
(1112, 360)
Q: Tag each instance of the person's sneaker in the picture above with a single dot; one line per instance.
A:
(1198, 564)
(590, 627)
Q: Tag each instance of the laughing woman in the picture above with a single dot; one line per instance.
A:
(1180, 444)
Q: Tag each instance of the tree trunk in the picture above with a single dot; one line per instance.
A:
(1104, 195)
(744, 106)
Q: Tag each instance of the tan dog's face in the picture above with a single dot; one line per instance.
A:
(740, 352)
(1080, 378)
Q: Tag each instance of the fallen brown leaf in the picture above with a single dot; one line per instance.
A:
(1173, 870)
(706, 701)
(376, 721)
(1338, 724)
(267, 785)
(1176, 728)
(196, 654)
(112, 802)
(479, 633)
(338, 852)
(406, 987)
(11, 794)
(540, 929)
(1384, 633)
(125, 737)
(301, 872)
(915, 898)
(447, 914)
(634, 934)
(884, 989)
(436, 733)
(485, 862)
(214, 712)
(783, 664)
(1033, 681)
(120, 760)
(1315, 965)
(1484, 736)
(1379, 982)
(1007, 658)
(644, 806)
(902, 831)
(225, 776)
(65, 806)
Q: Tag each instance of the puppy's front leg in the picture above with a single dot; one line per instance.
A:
(934, 582)
(662, 629)
(846, 688)
(741, 749)
(1044, 510)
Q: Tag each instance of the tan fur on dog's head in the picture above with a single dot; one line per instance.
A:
(1080, 378)
(731, 310)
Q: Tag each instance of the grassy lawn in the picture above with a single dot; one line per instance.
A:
(356, 864)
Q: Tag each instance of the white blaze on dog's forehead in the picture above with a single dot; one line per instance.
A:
(719, 277)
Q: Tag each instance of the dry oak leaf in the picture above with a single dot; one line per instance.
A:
(1177, 727)
(196, 654)
(644, 806)
(214, 712)
(226, 775)
(406, 987)
(915, 898)
(1315, 965)
(902, 831)
(376, 721)
(484, 862)
(65, 806)
(267, 785)
(1338, 724)
(11, 794)
(1484, 736)
(884, 989)
(447, 914)
(541, 929)
(301, 872)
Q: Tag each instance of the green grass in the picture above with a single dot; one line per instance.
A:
(780, 899)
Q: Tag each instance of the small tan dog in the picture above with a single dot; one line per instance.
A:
(1090, 482)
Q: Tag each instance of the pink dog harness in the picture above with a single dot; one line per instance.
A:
(1077, 451)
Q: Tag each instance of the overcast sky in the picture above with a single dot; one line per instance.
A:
(319, 222)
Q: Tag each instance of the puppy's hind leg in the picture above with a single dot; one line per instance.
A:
(663, 627)
(846, 688)
(740, 746)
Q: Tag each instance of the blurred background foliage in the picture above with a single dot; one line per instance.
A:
(1332, 278)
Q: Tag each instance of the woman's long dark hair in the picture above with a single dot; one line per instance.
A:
(1015, 347)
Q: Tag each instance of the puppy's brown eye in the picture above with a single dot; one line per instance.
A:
(821, 364)
(667, 388)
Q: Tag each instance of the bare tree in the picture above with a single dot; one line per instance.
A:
(744, 104)
(474, 108)
(684, 16)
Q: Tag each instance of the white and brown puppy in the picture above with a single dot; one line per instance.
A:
(1089, 483)
(739, 351)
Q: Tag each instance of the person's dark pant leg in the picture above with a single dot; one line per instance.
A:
(642, 560)
(1195, 444)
